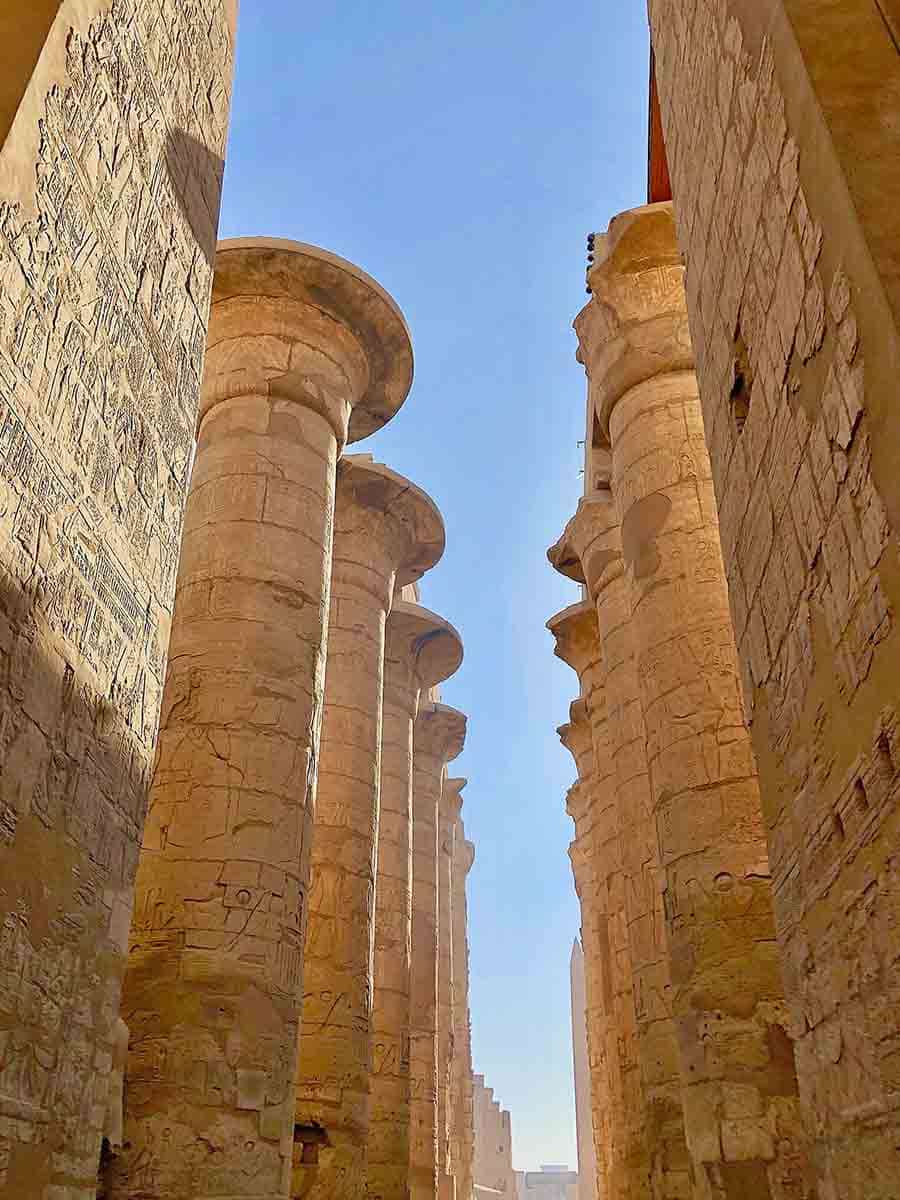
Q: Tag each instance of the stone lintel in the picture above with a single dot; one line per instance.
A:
(635, 326)
(418, 523)
(440, 731)
(272, 296)
(577, 636)
(433, 643)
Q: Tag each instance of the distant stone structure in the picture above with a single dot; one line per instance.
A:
(736, 728)
(494, 1174)
(551, 1182)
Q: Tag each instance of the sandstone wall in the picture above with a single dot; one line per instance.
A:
(493, 1142)
(110, 176)
(784, 174)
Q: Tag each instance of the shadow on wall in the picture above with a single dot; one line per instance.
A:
(196, 176)
(73, 792)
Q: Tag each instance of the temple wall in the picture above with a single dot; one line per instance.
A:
(493, 1142)
(784, 176)
(113, 120)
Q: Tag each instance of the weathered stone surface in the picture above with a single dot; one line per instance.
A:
(619, 1109)
(438, 739)
(421, 651)
(113, 121)
(741, 1108)
(462, 1120)
(625, 840)
(448, 819)
(590, 1185)
(215, 975)
(387, 534)
(784, 175)
(493, 1142)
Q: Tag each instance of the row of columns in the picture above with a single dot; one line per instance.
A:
(291, 986)
(694, 1092)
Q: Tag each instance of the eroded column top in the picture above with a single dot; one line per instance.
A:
(451, 797)
(577, 737)
(294, 320)
(440, 732)
(580, 554)
(635, 325)
(577, 636)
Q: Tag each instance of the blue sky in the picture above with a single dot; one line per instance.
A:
(460, 152)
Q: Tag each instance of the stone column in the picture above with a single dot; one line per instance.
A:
(590, 553)
(462, 1128)
(421, 651)
(601, 1028)
(387, 534)
(302, 346)
(622, 1121)
(448, 818)
(737, 1062)
(439, 736)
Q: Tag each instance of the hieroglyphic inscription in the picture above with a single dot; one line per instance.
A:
(106, 244)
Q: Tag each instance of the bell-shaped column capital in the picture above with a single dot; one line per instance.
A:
(432, 644)
(377, 506)
(440, 732)
(635, 326)
(586, 550)
(577, 636)
(293, 322)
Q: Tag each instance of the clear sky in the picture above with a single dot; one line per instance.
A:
(460, 151)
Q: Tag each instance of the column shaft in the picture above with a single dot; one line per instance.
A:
(462, 1135)
(383, 526)
(421, 650)
(388, 1165)
(212, 992)
(428, 769)
(447, 817)
(439, 735)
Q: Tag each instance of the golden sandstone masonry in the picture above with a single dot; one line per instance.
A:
(783, 170)
(214, 659)
(297, 658)
(113, 121)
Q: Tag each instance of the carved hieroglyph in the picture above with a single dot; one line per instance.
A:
(388, 533)
(590, 552)
(421, 651)
(109, 196)
(462, 1120)
(300, 343)
(783, 152)
(438, 738)
(741, 1105)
